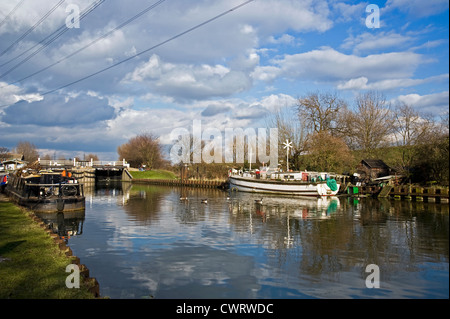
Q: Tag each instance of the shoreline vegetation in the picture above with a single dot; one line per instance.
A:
(153, 174)
(32, 264)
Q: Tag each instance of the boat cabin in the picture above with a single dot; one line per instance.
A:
(277, 174)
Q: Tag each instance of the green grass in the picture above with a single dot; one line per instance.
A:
(153, 174)
(35, 267)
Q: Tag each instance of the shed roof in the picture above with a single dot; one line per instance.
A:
(14, 161)
(374, 163)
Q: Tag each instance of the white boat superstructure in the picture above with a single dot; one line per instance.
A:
(272, 181)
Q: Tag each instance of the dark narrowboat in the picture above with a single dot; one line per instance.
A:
(46, 192)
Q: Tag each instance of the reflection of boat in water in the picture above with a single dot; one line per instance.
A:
(296, 207)
(281, 214)
(66, 224)
(284, 183)
(46, 192)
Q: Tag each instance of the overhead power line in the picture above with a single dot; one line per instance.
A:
(11, 13)
(50, 39)
(33, 27)
(93, 42)
(144, 51)
(151, 48)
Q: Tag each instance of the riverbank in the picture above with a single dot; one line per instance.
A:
(153, 174)
(32, 261)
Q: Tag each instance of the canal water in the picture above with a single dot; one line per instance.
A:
(143, 241)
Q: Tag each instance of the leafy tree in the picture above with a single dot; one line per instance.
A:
(328, 153)
(143, 149)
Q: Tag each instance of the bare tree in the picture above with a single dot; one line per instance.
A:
(28, 150)
(90, 156)
(410, 128)
(432, 161)
(320, 112)
(445, 122)
(292, 128)
(409, 125)
(4, 153)
(371, 125)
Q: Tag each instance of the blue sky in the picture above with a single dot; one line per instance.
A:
(230, 73)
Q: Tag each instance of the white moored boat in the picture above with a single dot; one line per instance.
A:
(285, 183)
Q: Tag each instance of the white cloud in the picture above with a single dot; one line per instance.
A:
(10, 94)
(189, 81)
(367, 42)
(30, 12)
(433, 103)
(329, 65)
(221, 114)
(284, 39)
(348, 12)
(362, 83)
(131, 122)
(274, 101)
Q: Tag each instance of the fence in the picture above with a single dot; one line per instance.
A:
(75, 163)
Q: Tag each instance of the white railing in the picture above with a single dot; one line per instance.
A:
(75, 163)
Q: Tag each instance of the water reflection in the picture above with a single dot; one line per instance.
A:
(162, 242)
(65, 224)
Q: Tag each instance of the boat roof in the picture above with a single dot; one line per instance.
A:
(33, 175)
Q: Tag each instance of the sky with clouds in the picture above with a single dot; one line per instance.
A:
(91, 88)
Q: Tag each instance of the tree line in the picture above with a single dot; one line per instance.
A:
(329, 134)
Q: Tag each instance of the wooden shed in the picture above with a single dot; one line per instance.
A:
(373, 168)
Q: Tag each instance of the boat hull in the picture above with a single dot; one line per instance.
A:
(45, 198)
(291, 188)
(51, 204)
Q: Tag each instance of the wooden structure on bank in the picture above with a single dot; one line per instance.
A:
(404, 192)
(373, 168)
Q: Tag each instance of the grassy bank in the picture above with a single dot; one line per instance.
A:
(31, 264)
(153, 174)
